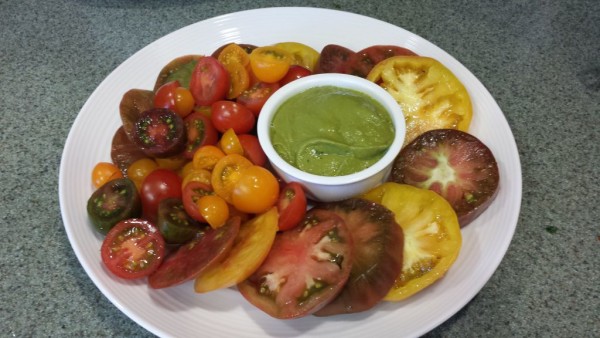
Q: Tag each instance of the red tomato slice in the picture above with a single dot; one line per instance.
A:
(200, 131)
(191, 259)
(254, 98)
(133, 249)
(305, 269)
(209, 82)
(291, 205)
(231, 115)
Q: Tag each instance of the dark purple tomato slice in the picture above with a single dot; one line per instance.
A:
(123, 151)
(179, 69)
(305, 269)
(334, 59)
(191, 259)
(113, 202)
(361, 63)
(133, 249)
(160, 132)
(378, 247)
(454, 164)
(133, 103)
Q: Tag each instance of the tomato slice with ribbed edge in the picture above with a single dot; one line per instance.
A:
(432, 237)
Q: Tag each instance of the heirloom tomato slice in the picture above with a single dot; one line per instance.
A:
(305, 268)
(432, 237)
(179, 69)
(430, 95)
(249, 250)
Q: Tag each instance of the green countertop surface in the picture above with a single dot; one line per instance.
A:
(540, 60)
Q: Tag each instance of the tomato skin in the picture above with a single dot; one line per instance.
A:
(291, 205)
(172, 96)
(254, 98)
(270, 63)
(147, 244)
(210, 81)
(296, 72)
(252, 149)
(200, 132)
(158, 185)
(113, 202)
(160, 132)
(192, 192)
(256, 191)
(231, 115)
(334, 59)
(104, 172)
(361, 63)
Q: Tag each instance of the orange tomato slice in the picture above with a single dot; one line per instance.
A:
(250, 248)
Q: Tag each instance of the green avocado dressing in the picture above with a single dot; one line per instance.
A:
(331, 131)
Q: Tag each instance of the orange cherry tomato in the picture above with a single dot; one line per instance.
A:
(214, 210)
(197, 175)
(139, 169)
(230, 143)
(256, 191)
(226, 173)
(104, 172)
(270, 63)
(207, 156)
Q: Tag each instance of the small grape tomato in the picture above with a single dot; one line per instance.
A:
(139, 169)
(296, 72)
(230, 143)
(291, 205)
(158, 185)
(254, 98)
(192, 192)
(207, 156)
(172, 96)
(214, 210)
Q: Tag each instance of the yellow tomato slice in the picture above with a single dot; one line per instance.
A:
(249, 250)
(302, 54)
(432, 237)
(430, 95)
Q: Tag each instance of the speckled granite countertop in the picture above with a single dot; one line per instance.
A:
(539, 59)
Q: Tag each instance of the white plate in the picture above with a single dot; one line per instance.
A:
(182, 313)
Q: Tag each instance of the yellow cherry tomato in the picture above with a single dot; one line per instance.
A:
(230, 143)
(104, 172)
(214, 210)
(256, 190)
(269, 63)
(139, 169)
(226, 173)
(207, 156)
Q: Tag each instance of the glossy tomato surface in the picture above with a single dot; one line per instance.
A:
(231, 115)
(158, 185)
(210, 81)
(200, 132)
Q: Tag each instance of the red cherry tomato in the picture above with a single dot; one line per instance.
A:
(133, 248)
(209, 82)
(192, 192)
(158, 185)
(291, 205)
(255, 97)
(294, 73)
(252, 149)
(173, 96)
(229, 114)
(200, 132)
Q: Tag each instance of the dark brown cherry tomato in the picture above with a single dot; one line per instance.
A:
(192, 192)
(190, 260)
(305, 269)
(209, 82)
(227, 115)
(175, 225)
(333, 59)
(133, 248)
(123, 151)
(361, 63)
(160, 133)
(291, 205)
(200, 132)
(113, 202)
(252, 149)
(378, 249)
(294, 73)
(254, 98)
(133, 103)
(158, 185)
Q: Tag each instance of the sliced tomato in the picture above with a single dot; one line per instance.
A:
(113, 202)
(231, 115)
(454, 164)
(133, 103)
(248, 48)
(249, 250)
(361, 63)
(302, 55)
(334, 59)
(291, 205)
(123, 151)
(230, 143)
(200, 132)
(235, 60)
(192, 192)
(160, 133)
(305, 269)
(214, 210)
(173, 96)
(209, 82)
(270, 63)
(254, 98)
(133, 249)
(195, 257)
(378, 249)
(175, 225)
(430, 95)
(252, 149)
(226, 173)
(431, 233)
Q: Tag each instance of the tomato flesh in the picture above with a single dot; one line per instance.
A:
(160, 132)
(133, 249)
(113, 202)
(210, 81)
(200, 132)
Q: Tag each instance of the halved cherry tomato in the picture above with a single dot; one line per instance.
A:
(139, 169)
(256, 190)
(233, 53)
(252, 149)
(158, 185)
(302, 54)
(197, 175)
(159, 132)
(207, 156)
(334, 59)
(133, 248)
(305, 268)
(123, 152)
(104, 172)
(173, 162)
(270, 63)
(193, 258)
(200, 132)
(296, 72)
(231, 115)
(430, 95)
(249, 250)
(113, 202)
(226, 173)
(209, 82)
(431, 233)
(214, 210)
(248, 48)
(179, 69)
(291, 205)
(235, 60)
(172, 96)
(174, 223)
(230, 143)
(254, 98)
(192, 192)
